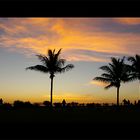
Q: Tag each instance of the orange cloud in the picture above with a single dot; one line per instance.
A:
(129, 21)
(98, 83)
(79, 57)
(37, 35)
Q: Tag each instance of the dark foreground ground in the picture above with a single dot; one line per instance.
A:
(74, 123)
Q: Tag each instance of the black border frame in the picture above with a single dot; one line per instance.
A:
(69, 8)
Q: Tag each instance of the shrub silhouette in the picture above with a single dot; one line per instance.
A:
(90, 105)
(18, 103)
(97, 105)
(7, 106)
(27, 104)
(105, 104)
(36, 105)
(47, 103)
(58, 105)
(21, 104)
(82, 105)
(73, 104)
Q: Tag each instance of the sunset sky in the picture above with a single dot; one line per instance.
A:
(88, 43)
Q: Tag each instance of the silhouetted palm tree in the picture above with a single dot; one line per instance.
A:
(52, 64)
(115, 73)
(135, 67)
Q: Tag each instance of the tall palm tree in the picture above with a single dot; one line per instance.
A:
(51, 64)
(135, 67)
(115, 73)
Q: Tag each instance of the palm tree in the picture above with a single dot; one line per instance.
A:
(115, 73)
(135, 67)
(51, 64)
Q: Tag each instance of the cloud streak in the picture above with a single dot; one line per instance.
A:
(81, 39)
(128, 21)
(97, 83)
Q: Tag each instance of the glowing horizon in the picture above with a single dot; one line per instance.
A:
(88, 43)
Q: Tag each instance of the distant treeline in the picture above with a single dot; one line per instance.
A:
(63, 104)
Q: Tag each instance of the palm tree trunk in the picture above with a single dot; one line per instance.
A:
(51, 98)
(118, 96)
(139, 91)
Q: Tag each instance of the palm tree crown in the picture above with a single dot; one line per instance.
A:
(135, 67)
(51, 64)
(115, 73)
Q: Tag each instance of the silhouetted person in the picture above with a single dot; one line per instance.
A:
(1, 101)
(125, 102)
(128, 102)
(63, 103)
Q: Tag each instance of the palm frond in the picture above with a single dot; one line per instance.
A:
(53, 51)
(131, 59)
(42, 58)
(107, 69)
(102, 79)
(61, 62)
(67, 67)
(123, 59)
(114, 61)
(50, 55)
(135, 66)
(105, 75)
(57, 54)
(109, 86)
(132, 78)
(40, 68)
(137, 57)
